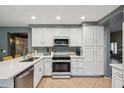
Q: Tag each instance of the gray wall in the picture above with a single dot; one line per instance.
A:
(3, 36)
(107, 51)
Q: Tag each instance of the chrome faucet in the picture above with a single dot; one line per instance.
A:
(24, 53)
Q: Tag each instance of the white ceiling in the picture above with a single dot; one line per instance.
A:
(21, 15)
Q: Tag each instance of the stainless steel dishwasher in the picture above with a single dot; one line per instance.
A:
(25, 79)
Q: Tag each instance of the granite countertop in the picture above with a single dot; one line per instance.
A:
(75, 56)
(11, 68)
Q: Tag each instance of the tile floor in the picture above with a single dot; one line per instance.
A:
(76, 82)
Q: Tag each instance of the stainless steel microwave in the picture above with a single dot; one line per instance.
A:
(61, 40)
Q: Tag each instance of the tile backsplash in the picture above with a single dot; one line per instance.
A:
(45, 50)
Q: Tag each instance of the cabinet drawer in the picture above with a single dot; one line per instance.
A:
(77, 64)
(77, 60)
(77, 72)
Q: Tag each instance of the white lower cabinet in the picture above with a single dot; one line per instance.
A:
(38, 72)
(77, 67)
(93, 61)
(77, 72)
(47, 67)
(98, 68)
(88, 68)
(117, 78)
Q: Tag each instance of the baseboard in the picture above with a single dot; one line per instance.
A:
(107, 77)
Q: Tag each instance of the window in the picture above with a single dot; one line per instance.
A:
(114, 47)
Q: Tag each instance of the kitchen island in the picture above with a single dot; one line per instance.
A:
(11, 68)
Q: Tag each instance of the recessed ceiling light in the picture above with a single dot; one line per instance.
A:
(58, 17)
(33, 17)
(83, 17)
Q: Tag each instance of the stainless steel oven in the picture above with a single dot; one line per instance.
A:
(61, 67)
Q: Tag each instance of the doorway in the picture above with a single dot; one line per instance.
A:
(115, 28)
(17, 44)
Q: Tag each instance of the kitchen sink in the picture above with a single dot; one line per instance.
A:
(30, 59)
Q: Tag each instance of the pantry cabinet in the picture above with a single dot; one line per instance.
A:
(98, 68)
(93, 35)
(88, 68)
(93, 61)
(98, 36)
(88, 53)
(93, 50)
(88, 35)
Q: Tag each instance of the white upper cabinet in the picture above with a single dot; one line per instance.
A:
(75, 37)
(98, 35)
(93, 35)
(98, 53)
(93, 50)
(88, 35)
(43, 37)
(48, 37)
(37, 37)
(88, 53)
(61, 32)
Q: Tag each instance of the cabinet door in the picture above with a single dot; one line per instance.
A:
(88, 35)
(75, 37)
(41, 69)
(98, 68)
(77, 72)
(47, 68)
(38, 72)
(77, 65)
(88, 53)
(116, 82)
(37, 37)
(61, 32)
(48, 37)
(36, 76)
(88, 68)
(98, 35)
(99, 53)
